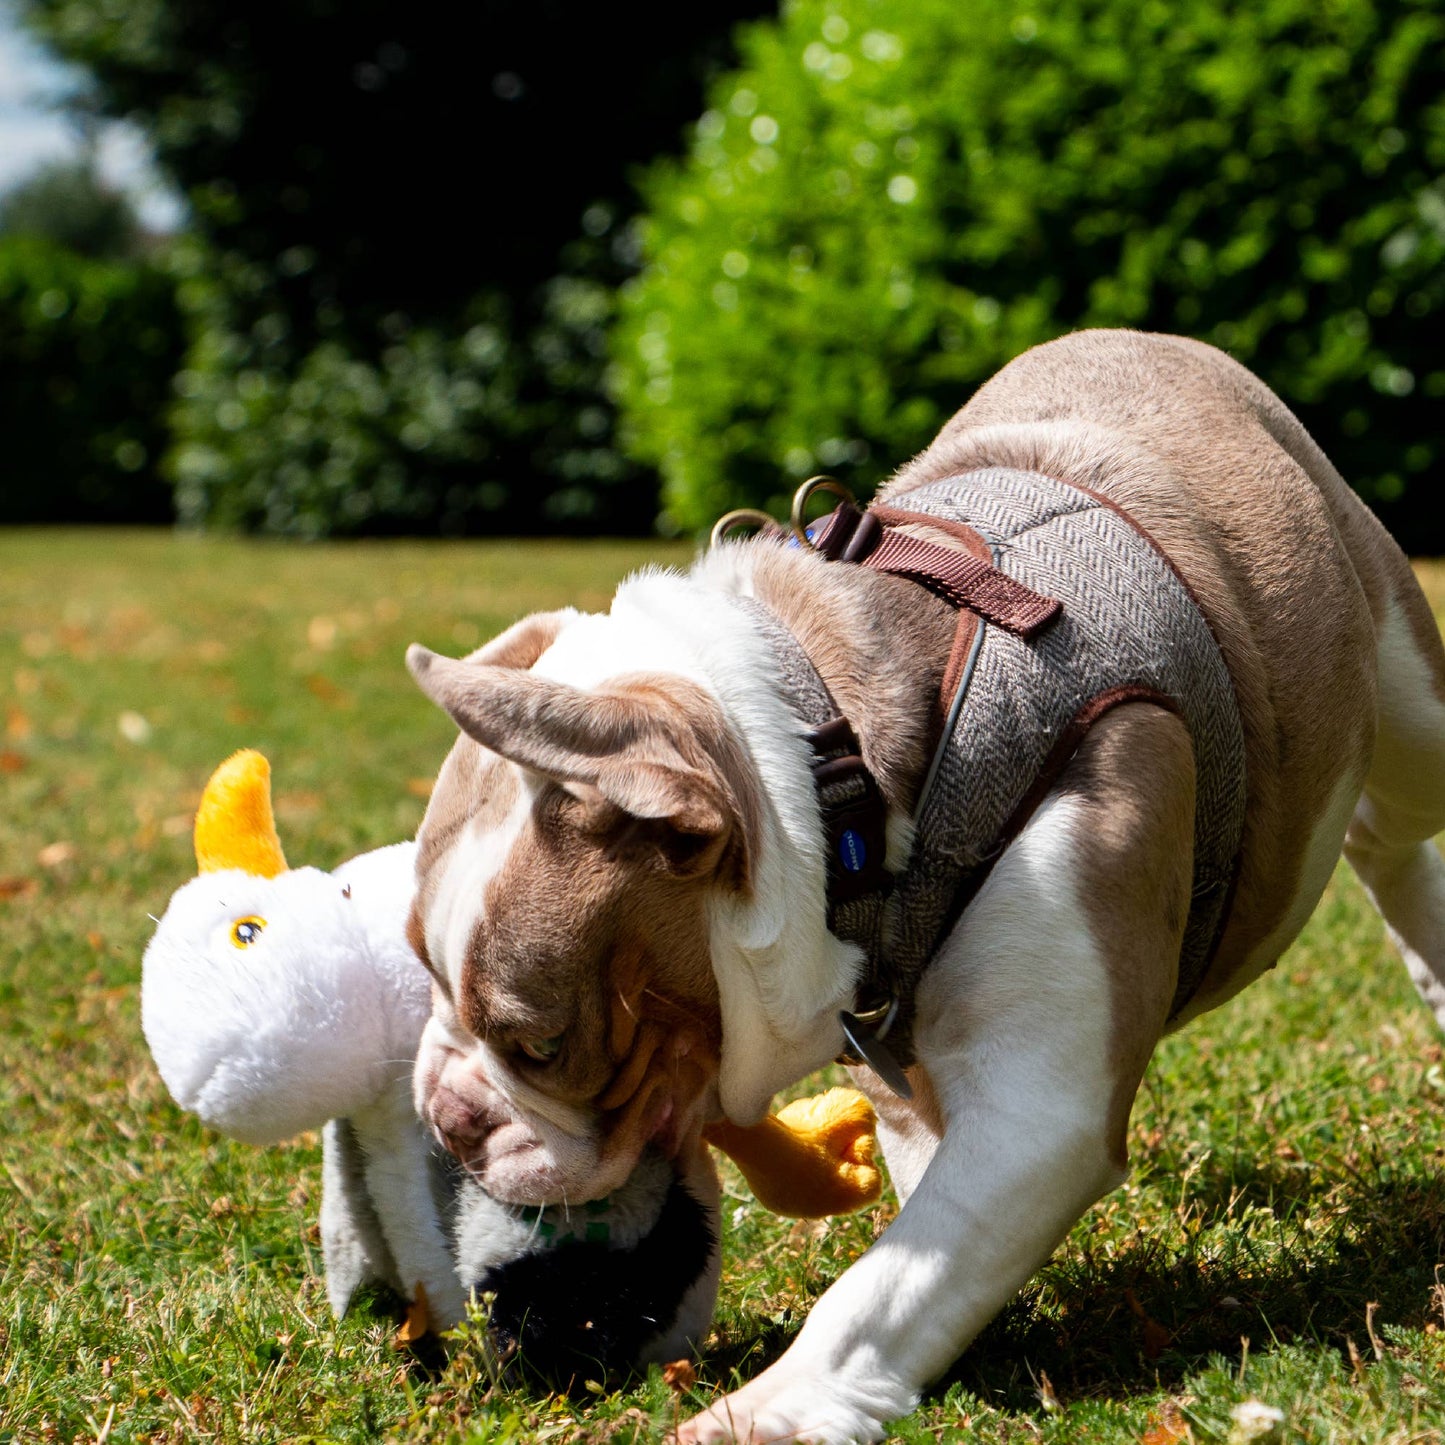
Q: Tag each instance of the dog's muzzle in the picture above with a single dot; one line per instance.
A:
(522, 1151)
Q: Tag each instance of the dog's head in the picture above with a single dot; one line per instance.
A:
(566, 862)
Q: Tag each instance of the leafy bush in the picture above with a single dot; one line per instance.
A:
(87, 351)
(495, 422)
(68, 204)
(893, 197)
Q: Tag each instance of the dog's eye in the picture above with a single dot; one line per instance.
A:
(245, 931)
(542, 1050)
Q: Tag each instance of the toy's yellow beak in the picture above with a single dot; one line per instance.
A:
(235, 827)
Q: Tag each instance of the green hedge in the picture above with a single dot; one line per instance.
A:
(894, 197)
(87, 352)
(496, 422)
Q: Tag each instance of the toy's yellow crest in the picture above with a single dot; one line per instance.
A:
(235, 827)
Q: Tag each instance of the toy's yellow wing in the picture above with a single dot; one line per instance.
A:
(811, 1159)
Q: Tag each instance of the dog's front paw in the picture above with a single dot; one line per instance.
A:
(772, 1411)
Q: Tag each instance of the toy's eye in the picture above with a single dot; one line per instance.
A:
(245, 931)
(542, 1050)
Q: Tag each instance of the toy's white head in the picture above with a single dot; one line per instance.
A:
(258, 993)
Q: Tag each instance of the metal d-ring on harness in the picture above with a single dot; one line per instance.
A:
(852, 806)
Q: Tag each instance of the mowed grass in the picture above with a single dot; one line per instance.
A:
(1278, 1240)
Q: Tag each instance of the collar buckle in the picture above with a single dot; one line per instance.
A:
(864, 1032)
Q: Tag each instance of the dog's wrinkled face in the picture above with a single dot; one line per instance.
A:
(565, 866)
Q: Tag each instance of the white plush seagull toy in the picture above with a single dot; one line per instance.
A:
(276, 999)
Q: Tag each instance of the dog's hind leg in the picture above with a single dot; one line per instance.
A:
(1402, 808)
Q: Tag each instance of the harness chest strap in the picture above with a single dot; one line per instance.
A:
(852, 807)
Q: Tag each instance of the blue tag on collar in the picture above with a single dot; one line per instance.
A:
(852, 850)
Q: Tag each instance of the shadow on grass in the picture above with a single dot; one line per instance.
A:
(1151, 1314)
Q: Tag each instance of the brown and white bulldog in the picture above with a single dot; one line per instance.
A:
(622, 875)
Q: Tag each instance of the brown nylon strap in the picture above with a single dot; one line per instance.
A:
(953, 573)
(965, 581)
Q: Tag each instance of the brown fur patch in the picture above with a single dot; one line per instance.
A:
(612, 955)
(472, 784)
(474, 792)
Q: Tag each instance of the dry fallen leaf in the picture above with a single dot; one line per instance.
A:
(420, 787)
(17, 724)
(321, 686)
(17, 887)
(298, 803)
(1167, 1427)
(679, 1375)
(1047, 1398)
(221, 1207)
(11, 761)
(1156, 1338)
(320, 633)
(417, 1321)
(55, 855)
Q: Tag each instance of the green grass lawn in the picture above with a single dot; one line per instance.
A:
(1278, 1239)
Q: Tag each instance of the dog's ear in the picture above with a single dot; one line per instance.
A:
(525, 641)
(628, 750)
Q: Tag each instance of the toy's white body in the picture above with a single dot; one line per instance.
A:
(316, 1019)
(277, 1000)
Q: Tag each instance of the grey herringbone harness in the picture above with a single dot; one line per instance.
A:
(1077, 611)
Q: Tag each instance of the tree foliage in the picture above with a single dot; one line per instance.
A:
(893, 197)
(372, 183)
(492, 422)
(67, 203)
(87, 351)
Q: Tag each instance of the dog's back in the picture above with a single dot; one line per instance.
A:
(1336, 659)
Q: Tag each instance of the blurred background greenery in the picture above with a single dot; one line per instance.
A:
(531, 267)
